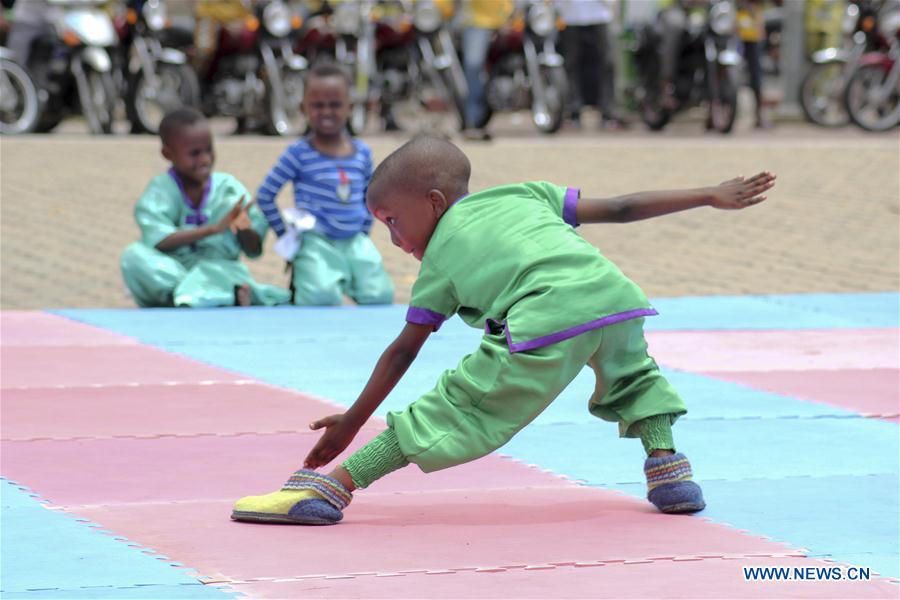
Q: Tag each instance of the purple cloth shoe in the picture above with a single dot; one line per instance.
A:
(669, 484)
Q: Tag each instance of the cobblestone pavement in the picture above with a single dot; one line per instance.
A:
(830, 225)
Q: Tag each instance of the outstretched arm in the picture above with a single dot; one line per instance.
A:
(734, 194)
(342, 428)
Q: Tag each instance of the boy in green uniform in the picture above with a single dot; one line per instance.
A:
(508, 260)
(194, 225)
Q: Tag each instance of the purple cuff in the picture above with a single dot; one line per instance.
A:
(572, 332)
(423, 316)
(570, 204)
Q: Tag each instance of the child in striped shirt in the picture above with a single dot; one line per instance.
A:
(330, 171)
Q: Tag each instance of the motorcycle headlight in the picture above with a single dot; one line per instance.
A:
(277, 19)
(851, 15)
(154, 13)
(541, 20)
(346, 18)
(427, 17)
(722, 18)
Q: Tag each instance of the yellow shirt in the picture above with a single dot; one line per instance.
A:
(487, 14)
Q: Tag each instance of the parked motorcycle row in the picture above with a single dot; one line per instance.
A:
(404, 61)
(860, 81)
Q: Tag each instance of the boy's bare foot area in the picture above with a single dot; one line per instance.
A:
(242, 295)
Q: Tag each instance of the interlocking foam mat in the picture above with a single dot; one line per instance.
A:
(128, 434)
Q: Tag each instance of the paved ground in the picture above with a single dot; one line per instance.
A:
(831, 224)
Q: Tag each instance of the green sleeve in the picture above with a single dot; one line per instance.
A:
(562, 200)
(433, 298)
(157, 212)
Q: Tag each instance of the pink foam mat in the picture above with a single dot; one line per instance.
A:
(866, 391)
(166, 469)
(794, 350)
(21, 328)
(153, 409)
(50, 366)
(430, 530)
(662, 578)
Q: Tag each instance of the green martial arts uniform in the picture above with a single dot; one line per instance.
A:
(325, 269)
(508, 259)
(202, 274)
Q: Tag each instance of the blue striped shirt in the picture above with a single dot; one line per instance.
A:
(330, 187)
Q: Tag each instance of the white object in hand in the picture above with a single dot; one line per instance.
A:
(298, 221)
(287, 245)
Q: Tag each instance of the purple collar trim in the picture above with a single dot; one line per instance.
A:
(559, 336)
(196, 217)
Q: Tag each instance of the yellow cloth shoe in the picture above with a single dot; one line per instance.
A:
(308, 498)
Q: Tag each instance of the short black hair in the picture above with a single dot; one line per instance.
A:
(329, 68)
(423, 163)
(178, 119)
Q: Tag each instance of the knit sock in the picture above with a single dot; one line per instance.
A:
(376, 459)
(655, 433)
(307, 498)
(669, 484)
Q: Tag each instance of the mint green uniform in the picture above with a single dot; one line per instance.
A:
(508, 260)
(203, 274)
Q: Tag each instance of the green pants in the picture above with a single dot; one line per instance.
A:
(156, 279)
(492, 394)
(325, 269)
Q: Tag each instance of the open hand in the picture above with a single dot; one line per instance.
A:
(242, 220)
(339, 432)
(742, 192)
(225, 222)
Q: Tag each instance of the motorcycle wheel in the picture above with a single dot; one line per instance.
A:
(556, 86)
(288, 120)
(145, 107)
(19, 105)
(723, 109)
(864, 110)
(654, 116)
(101, 96)
(822, 94)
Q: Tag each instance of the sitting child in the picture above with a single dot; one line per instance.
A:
(508, 261)
(194, 224)
(329, 171)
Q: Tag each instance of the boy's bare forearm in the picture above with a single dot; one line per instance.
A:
(185, 237)
(641, 205)
(392, 365)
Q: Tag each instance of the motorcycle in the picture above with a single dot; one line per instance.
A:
(156, 75)
(872, 96)
(255, 76)
(76, 56)
(526, 72)
(19, 99)
(823, 86)
(438, 83)
(707, 70)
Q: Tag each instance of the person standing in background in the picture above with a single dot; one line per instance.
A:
(482, 19)
(752, 30)
(590, 64)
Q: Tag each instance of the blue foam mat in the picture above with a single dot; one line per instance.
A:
(804, 508)
(47, 550)
(725, 449)
(158, 592)
(794, 311)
